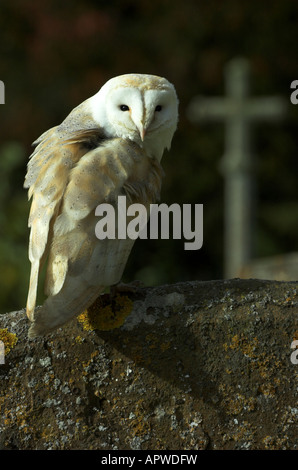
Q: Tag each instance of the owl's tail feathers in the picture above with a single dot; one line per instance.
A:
(74, 297)
(31, 299)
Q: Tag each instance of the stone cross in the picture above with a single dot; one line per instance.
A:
(239, 111)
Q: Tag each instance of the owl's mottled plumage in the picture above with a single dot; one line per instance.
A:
(109, 145)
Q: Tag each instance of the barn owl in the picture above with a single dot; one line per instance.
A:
(109, 145)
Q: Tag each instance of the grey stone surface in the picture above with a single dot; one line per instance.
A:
(196, 365)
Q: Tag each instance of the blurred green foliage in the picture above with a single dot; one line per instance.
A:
(56, 54)
(13, 223)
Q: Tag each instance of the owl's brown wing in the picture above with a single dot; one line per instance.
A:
(47, 177)
(80, 265)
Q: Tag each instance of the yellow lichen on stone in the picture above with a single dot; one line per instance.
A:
(105, 316)
(164, 346)
(274, 443)
(9, 339)
(262, 362)
(138, 423)
(79, 339)
(241, 343)
(267, 390)
(236, 403)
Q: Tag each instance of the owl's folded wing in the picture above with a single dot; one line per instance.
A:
(79, 265)
(47, 177)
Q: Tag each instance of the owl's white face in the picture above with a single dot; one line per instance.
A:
(142, 108)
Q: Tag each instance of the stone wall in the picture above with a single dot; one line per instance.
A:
(196, 365)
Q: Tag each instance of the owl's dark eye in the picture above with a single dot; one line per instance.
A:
(124, 107)
(158, 108)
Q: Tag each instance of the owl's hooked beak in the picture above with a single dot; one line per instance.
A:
(139, 123)
(142, 132)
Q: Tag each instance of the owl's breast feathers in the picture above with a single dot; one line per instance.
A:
(72, 170)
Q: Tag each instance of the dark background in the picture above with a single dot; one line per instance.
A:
(56, 54)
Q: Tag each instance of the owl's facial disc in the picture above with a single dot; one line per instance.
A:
(141, 108)
(136, 113)
(125, 112)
